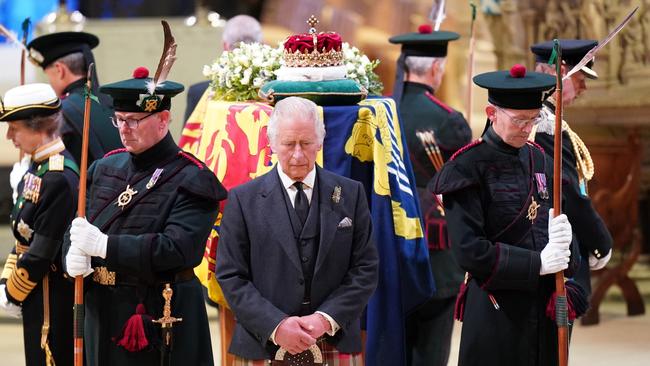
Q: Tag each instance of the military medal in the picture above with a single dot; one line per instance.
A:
(24, 230)
(532, 210)
(126, 196)
(540, 179)
(32, 187)
(336, 195)
(154, 178)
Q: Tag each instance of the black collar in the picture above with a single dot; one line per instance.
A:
(156, 154)
(496, 141)
(413, 87)
(74, 85)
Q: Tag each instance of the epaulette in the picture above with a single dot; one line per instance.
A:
(439, 102)
(116, 151)
(466, 147)
(533, 143)
(191, 158)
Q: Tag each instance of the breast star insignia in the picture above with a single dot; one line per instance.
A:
(126, 197)
(24, 230)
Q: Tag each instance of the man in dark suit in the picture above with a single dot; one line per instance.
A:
(239, 29)
(65, 57)
(296, 260)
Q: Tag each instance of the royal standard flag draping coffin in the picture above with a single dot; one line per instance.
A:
(233, 143)
(363, 142)
(366, 144)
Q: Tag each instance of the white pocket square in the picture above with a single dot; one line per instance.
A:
(346, 222)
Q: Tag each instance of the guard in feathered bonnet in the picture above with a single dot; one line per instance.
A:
(150, 210)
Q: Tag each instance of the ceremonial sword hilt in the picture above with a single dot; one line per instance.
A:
(167, 320)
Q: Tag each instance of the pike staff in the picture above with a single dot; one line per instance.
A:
(470, 64)
(561, 309)
(81, 212)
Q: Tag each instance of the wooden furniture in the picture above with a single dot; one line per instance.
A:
(614, 192)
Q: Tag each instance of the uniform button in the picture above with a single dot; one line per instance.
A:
(305, 259)
(304, 243)
(301, 281)
(38, 167)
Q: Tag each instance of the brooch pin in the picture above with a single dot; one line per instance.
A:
(154, 178)
(336, 195)
(126, 196)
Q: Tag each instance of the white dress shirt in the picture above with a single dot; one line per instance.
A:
(308, 187)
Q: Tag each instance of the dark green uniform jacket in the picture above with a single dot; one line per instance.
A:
(430, 326)
(39, 220)
(103, 136)
(487, 191)
(589, 228)
(157, 237)
(421, 111)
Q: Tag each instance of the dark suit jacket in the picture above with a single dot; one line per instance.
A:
(194, 94)
(259, 269)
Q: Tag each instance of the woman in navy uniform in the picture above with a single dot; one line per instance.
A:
(45, 205)
(497, 194)
(150, 210)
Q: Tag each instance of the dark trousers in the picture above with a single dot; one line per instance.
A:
(428, 333)
(60, 335)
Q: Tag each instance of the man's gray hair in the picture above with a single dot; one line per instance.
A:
(242, 29)
(419, 65)
(75, 62)
(545, 68)
(293, 108)
(51, 124)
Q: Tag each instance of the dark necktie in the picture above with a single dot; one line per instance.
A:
(301, 205)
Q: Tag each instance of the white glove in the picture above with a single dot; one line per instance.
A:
(77, 263)
(17, 174)
(559, 228)
(88, 238)
(9, 307)
(596, 264)
(556, 254)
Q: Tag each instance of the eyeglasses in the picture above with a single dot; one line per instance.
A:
(519, 122)
(132, 123)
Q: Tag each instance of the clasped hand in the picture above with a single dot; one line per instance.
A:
(297, 334)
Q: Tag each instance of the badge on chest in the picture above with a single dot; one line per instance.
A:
(32, 187)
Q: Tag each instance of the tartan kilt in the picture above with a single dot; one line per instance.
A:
(331, 357)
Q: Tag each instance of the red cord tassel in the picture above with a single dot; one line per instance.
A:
(134, 337)
(577, 301)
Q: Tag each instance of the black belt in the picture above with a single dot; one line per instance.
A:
(105, 277)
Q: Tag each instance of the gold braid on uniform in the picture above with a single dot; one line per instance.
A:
(585, 165)
(45, 329)
(10, 265)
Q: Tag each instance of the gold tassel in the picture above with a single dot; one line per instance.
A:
(49, 359)
(45, 329)
(585, 164)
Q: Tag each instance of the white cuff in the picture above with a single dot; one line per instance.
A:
(272, 337)
(334, 326)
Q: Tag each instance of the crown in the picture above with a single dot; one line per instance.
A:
(313, 49)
